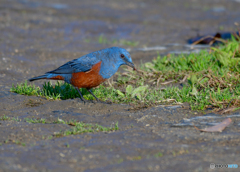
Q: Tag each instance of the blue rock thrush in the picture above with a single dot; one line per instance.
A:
(90, 70)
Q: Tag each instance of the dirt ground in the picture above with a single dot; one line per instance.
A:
(38, 36)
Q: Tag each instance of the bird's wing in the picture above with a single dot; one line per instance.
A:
(82, 64)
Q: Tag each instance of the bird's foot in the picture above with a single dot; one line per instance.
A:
(84, 101)
(88, 101)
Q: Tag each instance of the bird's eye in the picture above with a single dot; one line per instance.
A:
(122, 56)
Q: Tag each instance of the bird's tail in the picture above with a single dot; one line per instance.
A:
(38, 77)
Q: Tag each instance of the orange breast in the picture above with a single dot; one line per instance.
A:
(88, 79)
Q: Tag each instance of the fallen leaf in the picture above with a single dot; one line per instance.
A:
(213, 38)
(217, 128)
(72, 124)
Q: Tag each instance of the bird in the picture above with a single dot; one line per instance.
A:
(90, 70)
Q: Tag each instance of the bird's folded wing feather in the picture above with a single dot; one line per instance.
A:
(82, 64)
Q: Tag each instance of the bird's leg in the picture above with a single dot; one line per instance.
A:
(81, 96)
(89, 90)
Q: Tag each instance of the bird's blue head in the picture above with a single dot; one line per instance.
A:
(112, 58)
(121, 57)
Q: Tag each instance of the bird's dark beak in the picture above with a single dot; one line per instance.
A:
(131, 65)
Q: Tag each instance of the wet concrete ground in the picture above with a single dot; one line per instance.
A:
(38, 36)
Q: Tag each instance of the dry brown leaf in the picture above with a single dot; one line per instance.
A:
(168, 82)
(184, 79)
(72, 124)
(217, 128)
(167, 100)
(159, 79)
(227, 110)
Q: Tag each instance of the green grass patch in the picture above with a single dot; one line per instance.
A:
(6, 118)
(80, 128)
(103, 40)
(61, 91)
(36, 121)
(209, 79)
(159, 154)
(25, 89)
(77, 127)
